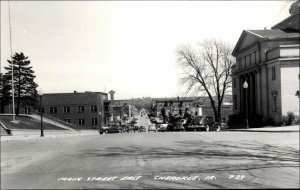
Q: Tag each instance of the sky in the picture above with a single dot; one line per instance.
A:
(125, 46)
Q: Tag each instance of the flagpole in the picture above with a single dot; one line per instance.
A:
(12, 67)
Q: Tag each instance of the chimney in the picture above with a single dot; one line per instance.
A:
(112, 94)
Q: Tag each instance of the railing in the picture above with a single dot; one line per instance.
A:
(59, 121)
(6, 129)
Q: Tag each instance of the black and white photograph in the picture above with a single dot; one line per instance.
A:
(113, 94)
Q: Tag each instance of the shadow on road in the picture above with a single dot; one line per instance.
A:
(228, 157)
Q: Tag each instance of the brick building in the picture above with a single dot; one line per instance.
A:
(268, 60)
(82, 109)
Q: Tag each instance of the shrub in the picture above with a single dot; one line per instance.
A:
(288, 119)
(256, 121)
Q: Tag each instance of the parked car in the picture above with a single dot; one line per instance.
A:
(180, 125)
(135, 128)
(162, 126)
(142, 129)
(203, 123)
(172, 122)
(224, 126)
(111, 129)
(152, 127)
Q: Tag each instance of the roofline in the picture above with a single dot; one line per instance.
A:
(240, 40)
(68, 93)
(259, 37)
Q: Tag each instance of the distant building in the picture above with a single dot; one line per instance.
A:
(120, 109)
(268, 60)
(82, 109)
(194, 105)
(88, 110)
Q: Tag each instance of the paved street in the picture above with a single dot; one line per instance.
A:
(191, 159)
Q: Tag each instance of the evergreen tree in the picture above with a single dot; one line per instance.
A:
(24, 85)
(4, 91)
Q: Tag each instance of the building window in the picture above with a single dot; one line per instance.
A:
(239, 62)
(273, 73)
(235, 101)
(274, 95)
(53, 110)
(27, 110)
(94, 121)
(243, 62)
(234, 82)
(93, 108)
(66, 109)
(106, 108)
(252, 58)
(248, 60)
(80, 109)
(81, 121)
(67, 120)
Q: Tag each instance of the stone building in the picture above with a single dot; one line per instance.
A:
(268, 60)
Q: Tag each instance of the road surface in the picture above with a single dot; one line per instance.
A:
(177, 160)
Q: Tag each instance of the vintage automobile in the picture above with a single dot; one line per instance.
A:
(206, 123)
(142, 129)
(180, 125)
(135, 128)
(111, 129)
(162, 126)
(172, 123)
(152, 127)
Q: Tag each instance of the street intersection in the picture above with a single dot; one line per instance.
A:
(176, 160)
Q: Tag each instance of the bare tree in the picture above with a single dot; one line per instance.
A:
(207, 70)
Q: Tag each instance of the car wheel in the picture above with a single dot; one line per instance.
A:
(106, 131)
(120, 131)
(207, 128)
(218, 128)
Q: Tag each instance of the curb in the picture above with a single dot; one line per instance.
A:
(25, 138)
(265, 131)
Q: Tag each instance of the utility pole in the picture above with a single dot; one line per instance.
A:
(12, 67)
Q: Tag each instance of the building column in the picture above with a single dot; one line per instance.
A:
(250, 89)
(254, 93)
(242, 98)
(248, 94)
(258, 92)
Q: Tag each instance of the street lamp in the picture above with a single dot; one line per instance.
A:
(245, 85)
(41, 112)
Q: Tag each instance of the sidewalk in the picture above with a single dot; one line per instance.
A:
(293, 128)
(48, 134)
